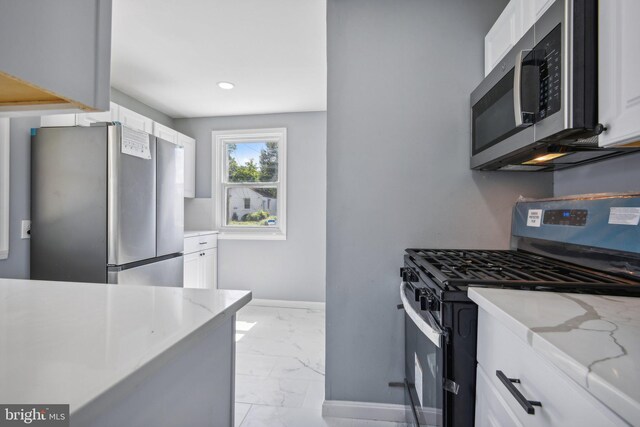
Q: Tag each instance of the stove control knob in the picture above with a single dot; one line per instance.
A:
(417, 294)
(428, 302)
(408, 275)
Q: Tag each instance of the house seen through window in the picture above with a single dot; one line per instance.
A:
(251, 181)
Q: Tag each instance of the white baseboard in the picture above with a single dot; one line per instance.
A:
(287, 304)
(364, 410)
(376, 411)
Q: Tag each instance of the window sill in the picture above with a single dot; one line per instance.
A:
(236, 235)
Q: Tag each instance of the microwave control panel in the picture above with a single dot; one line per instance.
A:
(549, 60)
(575, 217)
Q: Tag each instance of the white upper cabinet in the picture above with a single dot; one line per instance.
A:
(189, 145)
(165, 132)
(134, 120)
(516, 19)
(55, 56)
(619, 68)
(84, 119)
(539, 8)
(505, 33)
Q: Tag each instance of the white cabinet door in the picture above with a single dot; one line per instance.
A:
(209, 262)
(510, 26)
(59, 120)
(619, 68)
(189, 145)
(165, 132)
(192, 270)
(134, 120)
(539, 8)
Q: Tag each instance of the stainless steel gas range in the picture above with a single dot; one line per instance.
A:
(584, 244)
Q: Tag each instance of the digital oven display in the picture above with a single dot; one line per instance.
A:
(575, 217)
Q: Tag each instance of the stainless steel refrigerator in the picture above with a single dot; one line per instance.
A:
(106, 206)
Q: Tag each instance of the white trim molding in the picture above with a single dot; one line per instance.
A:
(4, 187)
(375, 411)
(364, 410)
(219, 139)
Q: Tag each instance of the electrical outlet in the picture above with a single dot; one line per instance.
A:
(25, 232)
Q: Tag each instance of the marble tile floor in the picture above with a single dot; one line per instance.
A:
(280, 368)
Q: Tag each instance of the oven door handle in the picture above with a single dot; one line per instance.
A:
(517, 90)
(430, 329)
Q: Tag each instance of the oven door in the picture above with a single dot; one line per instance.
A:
(424, 341)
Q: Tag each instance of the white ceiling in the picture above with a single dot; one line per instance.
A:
(170, 54)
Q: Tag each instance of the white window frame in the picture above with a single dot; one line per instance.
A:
(220, 139)
(4, 188)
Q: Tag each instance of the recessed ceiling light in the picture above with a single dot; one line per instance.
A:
(226, 85)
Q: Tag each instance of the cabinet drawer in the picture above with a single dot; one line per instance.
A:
(200, 243)
(491, 409)
(564, 403)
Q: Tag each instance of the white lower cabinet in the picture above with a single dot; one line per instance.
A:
(208, 269)
(201, 261)
(192, 270)
(562, 401)
(491, 409)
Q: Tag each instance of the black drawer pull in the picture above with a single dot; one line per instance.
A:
(508, 383)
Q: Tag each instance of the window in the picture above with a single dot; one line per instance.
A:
(250, 183)
(4, 188)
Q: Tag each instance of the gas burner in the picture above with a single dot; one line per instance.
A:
(453, 270)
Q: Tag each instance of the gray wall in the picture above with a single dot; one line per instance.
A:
(400, 75)
(616, 175)
(126, 101)
(293, 269)
(17, 265)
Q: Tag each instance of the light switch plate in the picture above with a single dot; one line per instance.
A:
(25, 232)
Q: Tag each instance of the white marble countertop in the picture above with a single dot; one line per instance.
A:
(594, 339)
(71, 342)
(193, 233)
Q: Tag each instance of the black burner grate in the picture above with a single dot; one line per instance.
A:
(505, 267)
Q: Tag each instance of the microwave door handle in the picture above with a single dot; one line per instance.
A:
(517, 89)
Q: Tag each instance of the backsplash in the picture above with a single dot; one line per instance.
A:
(619, 175)
(198, 214)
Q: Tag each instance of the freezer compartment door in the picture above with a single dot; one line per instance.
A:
(166, 272)
(132, 196)
(170, 197)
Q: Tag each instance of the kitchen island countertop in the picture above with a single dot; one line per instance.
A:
(594, 339)
(70, 343)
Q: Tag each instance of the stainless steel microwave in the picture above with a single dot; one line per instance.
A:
(538, 109)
